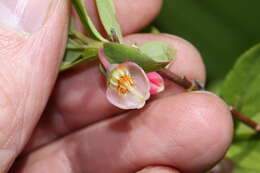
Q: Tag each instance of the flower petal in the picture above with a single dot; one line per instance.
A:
(130, 100)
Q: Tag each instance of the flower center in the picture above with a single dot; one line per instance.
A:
(122, 81)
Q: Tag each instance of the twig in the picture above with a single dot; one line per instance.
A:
(182, 81)
(195, 85)
(247, 121)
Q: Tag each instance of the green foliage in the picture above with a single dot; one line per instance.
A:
(107, 15)
(159, 51)
(80, 49)
(241, 86)
(76, 57)
(243, 170)
(220, 29)
(241, 89)
(150, 56)
(245, 150)
(86, 21)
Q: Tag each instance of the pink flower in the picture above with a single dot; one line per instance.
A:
(156, 82)
(128, 85)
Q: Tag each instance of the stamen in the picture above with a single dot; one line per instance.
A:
(123, 83)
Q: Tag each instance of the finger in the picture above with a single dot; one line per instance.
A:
(188, 131)
(79, 96)
(32, 40)
(132, 15)
(158, 169)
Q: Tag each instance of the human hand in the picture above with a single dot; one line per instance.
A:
(79, 130)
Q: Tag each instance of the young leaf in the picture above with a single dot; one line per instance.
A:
(107, 14)
(79, 49)
(118, 53)
(76, 57)
(83, 40)
(86, 21)
(71, 56)
(159, 51)
(241, 89)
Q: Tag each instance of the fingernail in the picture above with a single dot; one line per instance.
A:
(25, 15)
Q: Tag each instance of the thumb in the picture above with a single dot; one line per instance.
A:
(158, 169)
(32, 42)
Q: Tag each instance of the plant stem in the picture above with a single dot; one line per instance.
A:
(247, 121)
(194, 86)
(182, 81)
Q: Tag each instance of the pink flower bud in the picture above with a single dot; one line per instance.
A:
(156, 83)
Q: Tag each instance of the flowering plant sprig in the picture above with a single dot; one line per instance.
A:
(130, 70)
(134, 73)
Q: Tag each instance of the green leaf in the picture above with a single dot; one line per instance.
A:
(107, 15)
(245, 150)
(159, 51)
(75, 57)
(241, 86)
(227, 166)
(241, 90)
(80, 39)
(80, 49)
(118, 53)
(86, 21)
(112, 6)
(243, 170)
(74, 44)
(71, 56)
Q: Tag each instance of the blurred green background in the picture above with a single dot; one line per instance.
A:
(220, 29)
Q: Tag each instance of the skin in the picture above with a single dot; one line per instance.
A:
(79, 130)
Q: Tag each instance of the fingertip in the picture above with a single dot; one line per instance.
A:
(134, 15)
(207, 130)
(158, 169)
(219, 119)
(195, 129)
